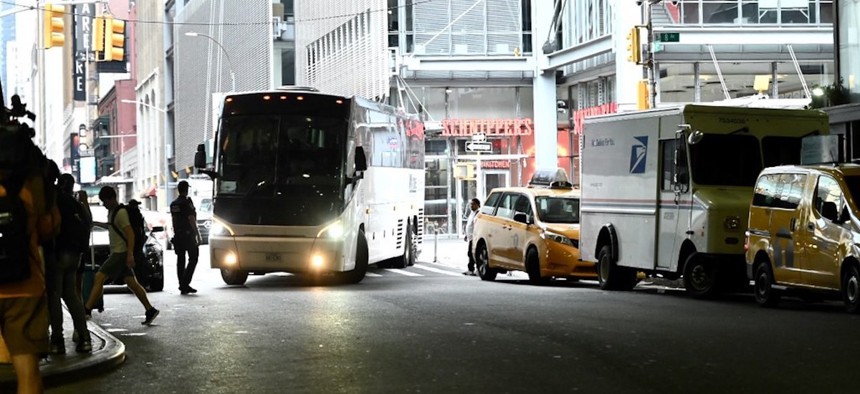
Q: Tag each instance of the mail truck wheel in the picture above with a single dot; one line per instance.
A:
(483, 263)
(234, 277)
(700, 276)
(851, 289)
(765, 294)
(610, 275)
(533, 267)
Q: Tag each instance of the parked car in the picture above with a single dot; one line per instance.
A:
(150, 274)
(204, 219)
(804, 225)
(534, 229)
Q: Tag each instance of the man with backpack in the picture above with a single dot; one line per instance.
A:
(73, 240)
(124, 242)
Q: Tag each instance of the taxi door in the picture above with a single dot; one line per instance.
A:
(823, 234)
(500, 248)
(519, 232)
(787, 237)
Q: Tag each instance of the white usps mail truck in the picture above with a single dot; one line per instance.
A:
(667, 191)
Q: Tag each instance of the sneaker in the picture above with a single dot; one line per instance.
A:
(190, 289)
(469, 273)
(58, 347)
(88, 313)
(86, 346)
(151, 314)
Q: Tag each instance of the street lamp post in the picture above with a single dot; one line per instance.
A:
(226, 54)
(165, 162)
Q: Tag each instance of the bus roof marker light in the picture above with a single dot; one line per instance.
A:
(339, 101)
(300, 98)
(283, 97)
(229, 100)
(267, 97)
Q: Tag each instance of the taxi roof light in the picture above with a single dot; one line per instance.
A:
(551, 178)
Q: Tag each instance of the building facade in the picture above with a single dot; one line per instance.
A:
(843, 97)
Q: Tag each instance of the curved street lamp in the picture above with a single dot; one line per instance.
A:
(226, 54)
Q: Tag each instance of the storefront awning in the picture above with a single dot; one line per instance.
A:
(149, 192)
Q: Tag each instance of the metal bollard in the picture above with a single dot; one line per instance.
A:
(432, 228)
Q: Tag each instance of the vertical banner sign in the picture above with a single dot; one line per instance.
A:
(83, 25)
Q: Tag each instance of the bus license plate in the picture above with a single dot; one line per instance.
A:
(273, 256)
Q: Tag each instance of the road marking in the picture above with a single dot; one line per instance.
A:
(437, 270)
(371, 274)
(402, 272)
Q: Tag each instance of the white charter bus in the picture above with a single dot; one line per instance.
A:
(306, 182)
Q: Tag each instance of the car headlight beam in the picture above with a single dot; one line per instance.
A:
(333, 231)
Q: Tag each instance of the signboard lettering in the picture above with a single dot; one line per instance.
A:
(490, 127)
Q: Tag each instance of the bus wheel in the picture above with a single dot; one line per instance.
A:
(483, 262)
(700, 276)
(408, 257)
(357, 273)
(234, 277)
(533, 268)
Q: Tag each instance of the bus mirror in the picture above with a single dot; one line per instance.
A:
(200, 156)
(360, 160)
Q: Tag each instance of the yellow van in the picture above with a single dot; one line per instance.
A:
(531, 229)
(804, 227)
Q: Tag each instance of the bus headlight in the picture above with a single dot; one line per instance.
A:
(220, 228)
(333, 231)
(230, 259)
(732, 223)
(317, 261)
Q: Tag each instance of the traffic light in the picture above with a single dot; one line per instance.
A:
(99, 34)
(634, 49)
(114, 39)
(54, 27)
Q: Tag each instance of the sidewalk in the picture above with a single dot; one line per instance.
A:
(108, 352)
(447, 251)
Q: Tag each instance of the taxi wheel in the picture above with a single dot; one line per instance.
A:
(234, 277)
(851, 289)
(483, 263)
(533, 267)
(765, 294)
(700, 276)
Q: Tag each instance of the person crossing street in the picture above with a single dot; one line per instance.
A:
(185, 238)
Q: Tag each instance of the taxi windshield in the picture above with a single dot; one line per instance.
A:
(558, 209)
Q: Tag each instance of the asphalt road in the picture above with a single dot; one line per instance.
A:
(437, 331)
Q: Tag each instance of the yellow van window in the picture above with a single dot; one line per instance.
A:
(828, 195)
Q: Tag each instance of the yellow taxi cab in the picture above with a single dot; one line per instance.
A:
(533, 229)
(803, 234)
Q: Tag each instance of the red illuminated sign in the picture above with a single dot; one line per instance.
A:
(580, 115)
(490, 127)
(496, 164)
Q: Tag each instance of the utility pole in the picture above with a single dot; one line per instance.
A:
(650, 64)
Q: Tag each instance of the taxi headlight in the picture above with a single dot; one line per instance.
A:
(333, 231)
(732, 223)
(220, 228)
(556, 237)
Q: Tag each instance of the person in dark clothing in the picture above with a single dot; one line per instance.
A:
(185, 237)
(71, 242)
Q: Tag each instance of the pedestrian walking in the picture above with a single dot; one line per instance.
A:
(470, 227)
(28, 218)
(121, 262)
(69, 245)
(186, 237)
(82, 197)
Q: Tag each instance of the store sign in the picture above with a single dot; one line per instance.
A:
(489, 127)
(580, 115)
(496, 164)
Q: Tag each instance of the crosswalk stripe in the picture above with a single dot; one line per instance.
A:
(437, 270)
(402, 272)
(371, 274)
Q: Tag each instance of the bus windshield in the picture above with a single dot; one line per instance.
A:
(282, 163)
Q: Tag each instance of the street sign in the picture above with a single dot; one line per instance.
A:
(667, 37)
(479, 146)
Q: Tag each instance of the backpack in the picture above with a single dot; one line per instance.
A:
(138, 227)
(75, 225)
(14, 238)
